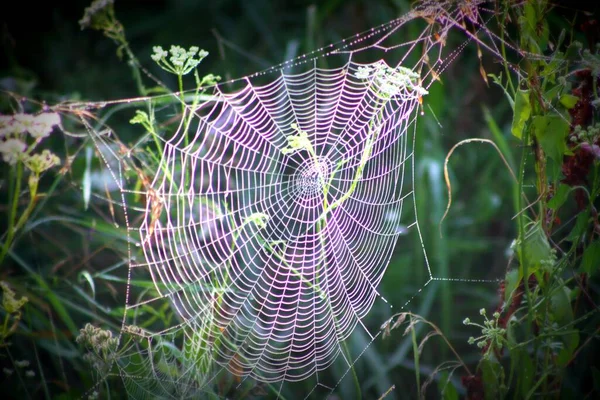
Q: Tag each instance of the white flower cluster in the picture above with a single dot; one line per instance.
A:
(13, 144)
(181, 61)
(43, 161)
(24, 364)
(364, 72)
(38, 126)
(101, 347)
(12, 150)
(159, 54)
(392, 81)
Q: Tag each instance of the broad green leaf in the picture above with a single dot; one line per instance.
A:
(534, 27)
(560, 196)
(537, 248)
(561, 306)
(525, 373)
(551, 132)
(568, 100)
(591, 258)
(562, 314)
(521, 113)
(528, 22)
(544, 34)
(530, 16)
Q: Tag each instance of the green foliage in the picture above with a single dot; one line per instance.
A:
(541, 317)
(65, 242)
(521, 113)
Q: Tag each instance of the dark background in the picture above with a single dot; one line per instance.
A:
(46, 54)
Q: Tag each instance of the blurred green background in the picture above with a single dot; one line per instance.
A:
(47, 56)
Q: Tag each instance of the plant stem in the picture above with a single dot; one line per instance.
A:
(521, 227)
(503, 50)
(32, 201)
(135, 67)
(5, 328)
(416, 357)
(13, 209)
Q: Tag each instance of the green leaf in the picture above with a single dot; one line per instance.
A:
(54, 300)
(551, 132)
(446, 387)
(553, 92)
(568, 100)
(543, 35)
(521, 114)
(530, 15)
(581, 226)
(85, 275)
(512, 282)
(537, 248)
(525, 375)
(573, 51)
(561, 306)
(493, 375)
(562, 314)
(560, 196)
(550, 69)
(534, 27)
(591, 258)
(497, 79)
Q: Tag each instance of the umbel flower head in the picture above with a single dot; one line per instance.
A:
(9, 299)
(12, 150)
(43, 124)
(43, 161)
(39, 126)
(391, 81)
(101, 346)
(181, 61)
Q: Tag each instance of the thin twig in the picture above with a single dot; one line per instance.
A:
(447, 177)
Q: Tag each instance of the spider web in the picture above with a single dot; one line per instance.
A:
(274, 209)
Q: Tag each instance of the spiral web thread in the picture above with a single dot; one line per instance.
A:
(271, 219)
